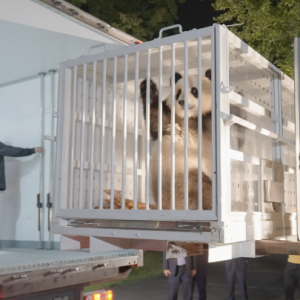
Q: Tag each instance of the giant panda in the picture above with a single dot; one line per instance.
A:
(179, 142)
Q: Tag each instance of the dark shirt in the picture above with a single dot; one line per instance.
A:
(13, 152)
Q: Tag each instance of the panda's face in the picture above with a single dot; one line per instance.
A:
(191, 101)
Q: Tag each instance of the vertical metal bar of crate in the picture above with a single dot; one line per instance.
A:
(173, 127)
(215, 87)
(52, 158)
(102, 133)
(297, 123)
(82, 136)
(148, 129)
(73, 129)
(186, 124)
(42, 161)
(90, 201)
(136, 123)
(159, 204)
(124, 131)
(277, 151)
(113, 140)
(199, 125)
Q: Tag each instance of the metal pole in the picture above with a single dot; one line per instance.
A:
(173, 127)
(42, 165)
(81, 181)
(52, 158)
(159, 190)
(148, 129)
(71, 183)
(186, 124)
(297, 115)
(124, 131)
(102, 133)
(90, 201)
(113, 139)
(200, 207)
(135, 146)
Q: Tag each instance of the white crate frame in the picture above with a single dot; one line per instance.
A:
(147, 214)
(227, 221)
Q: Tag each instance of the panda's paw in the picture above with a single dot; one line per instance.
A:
(153, 90)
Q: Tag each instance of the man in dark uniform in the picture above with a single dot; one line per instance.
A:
(179, 270)
(236, 268)
(6, 150)
(200, 279)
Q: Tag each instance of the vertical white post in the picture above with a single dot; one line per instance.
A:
(277, 150)
(73, 129)
(42, 161)
(81, 177)
(160, 130)
(173, 127)
(297, 116)
(136, 123)
(113, 140)
(186, 128)
(199, 125)
(102, 133)
(148, 129)
(52, 158)
(221, 136)
(124, 131)
(90, 192)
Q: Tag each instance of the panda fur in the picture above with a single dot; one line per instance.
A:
(179, 142)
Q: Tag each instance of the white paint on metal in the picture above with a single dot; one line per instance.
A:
(196, 51)
(186, 128)
(83, 114)
(173, 167)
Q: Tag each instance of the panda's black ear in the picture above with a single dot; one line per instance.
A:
(177, 77)
(208, 74)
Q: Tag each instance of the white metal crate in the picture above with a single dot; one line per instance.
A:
(253, 143)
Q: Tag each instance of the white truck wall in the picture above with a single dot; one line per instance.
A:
(20, 126)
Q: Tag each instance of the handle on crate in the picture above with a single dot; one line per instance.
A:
(170, 27)
(39, 206)
(49, 206)
(97, 46)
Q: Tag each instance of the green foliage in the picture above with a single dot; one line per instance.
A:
(142, 19)
(270, 26)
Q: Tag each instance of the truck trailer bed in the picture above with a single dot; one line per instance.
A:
(28, 271)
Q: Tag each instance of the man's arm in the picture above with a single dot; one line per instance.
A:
(166, 269)
(6, 150)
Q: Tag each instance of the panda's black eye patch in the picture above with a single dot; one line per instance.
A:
(178, 94)
(194, 92)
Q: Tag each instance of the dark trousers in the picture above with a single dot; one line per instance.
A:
(291, 280)
(236, 268)
(174, 282)
(200, 280)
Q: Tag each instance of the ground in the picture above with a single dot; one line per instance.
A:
(265, 279)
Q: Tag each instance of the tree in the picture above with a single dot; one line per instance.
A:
(269, 26)
(142, 19)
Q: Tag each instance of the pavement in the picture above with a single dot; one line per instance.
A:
(265, 281)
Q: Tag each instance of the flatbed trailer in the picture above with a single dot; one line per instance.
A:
(60, 275)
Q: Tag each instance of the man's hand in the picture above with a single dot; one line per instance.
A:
(194, 273)
(167, 273)
(38, 149)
